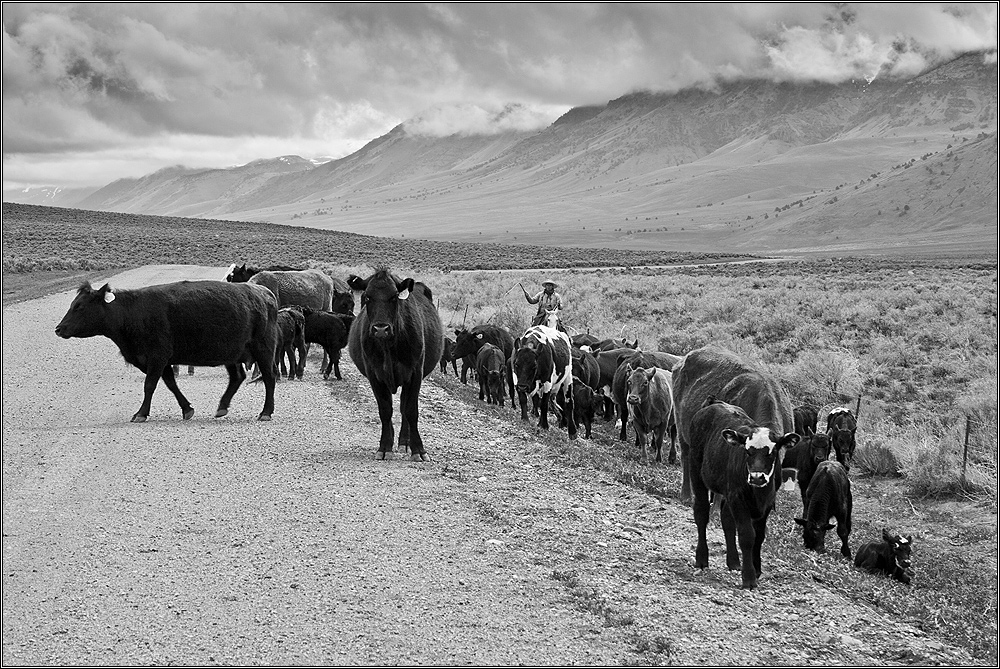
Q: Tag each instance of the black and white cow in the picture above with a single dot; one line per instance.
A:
(732, 455)
(543, 366)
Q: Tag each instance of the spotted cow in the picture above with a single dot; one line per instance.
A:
(543, 367)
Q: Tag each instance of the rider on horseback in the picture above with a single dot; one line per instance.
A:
(548, 301)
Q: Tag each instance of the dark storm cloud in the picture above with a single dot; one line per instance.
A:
(229, 79)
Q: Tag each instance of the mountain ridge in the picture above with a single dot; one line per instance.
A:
(698, 168)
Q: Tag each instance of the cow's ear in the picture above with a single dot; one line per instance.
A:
(651, 373)
(788, 440)
(800, 521)
(733, 437)
(403, 288)
(106, 293)
(886, 536)
(356, 282)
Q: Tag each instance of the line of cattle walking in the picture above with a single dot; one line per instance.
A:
(738, 434)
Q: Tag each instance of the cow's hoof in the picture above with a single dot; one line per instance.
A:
(187, 414)
(221, 412)
(385, 455)
(420, 457)
(138, 419)
(264, 417)
(326, 377)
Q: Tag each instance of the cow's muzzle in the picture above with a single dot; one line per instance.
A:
(634, 399)
(757, 479)
(381, 330)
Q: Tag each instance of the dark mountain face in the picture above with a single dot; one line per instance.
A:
(685, 170)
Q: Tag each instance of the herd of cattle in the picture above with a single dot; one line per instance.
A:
(738, 434)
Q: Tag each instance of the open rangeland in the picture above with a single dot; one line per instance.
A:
(231, 541)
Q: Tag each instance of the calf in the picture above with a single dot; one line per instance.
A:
(649, 396)
(732, 456)
(291, 340)
(802, 459)
(586, 402)
(665, 361)
(805, 418)
(829, 497)
(608, 362)
(841, 426)
(890, 557)
(331, 331)
(490, 370)
(467, 343)
(585, 367)
(448, 355)
(205, 323)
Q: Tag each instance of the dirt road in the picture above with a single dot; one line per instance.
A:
(229, 541)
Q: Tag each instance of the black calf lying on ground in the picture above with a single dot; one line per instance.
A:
(890, 557)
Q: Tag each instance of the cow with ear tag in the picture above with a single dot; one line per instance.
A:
(733, 456)
(396, 340)
(204, 323)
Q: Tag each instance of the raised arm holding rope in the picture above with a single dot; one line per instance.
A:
(547, 299)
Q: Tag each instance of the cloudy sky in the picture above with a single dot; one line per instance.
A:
(93, 92)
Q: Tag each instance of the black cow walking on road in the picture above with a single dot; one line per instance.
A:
(396, 341)
(204, 323)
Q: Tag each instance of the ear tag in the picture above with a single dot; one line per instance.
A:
(109, 297)
(403, 294)
(479, 336)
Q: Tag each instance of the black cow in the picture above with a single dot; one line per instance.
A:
(291, 342)
(829, 497)
(609, 362)
(586, 402)
(805, 418)
(585, 368)
(611, 344)
(584, 339)
(330, 330)
(714, 371)
(804, 457)
(467, 343)
(889, 557)
(395, 342)
(731, 455)
(448, 355)
(491, 367)
(243, 274)
(841, 426)
(204, 323)
(543, 366)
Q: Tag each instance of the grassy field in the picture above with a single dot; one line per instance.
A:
(914, 338)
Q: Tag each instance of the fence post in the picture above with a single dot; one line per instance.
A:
(965, 451)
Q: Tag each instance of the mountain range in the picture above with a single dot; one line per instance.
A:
(748, 166)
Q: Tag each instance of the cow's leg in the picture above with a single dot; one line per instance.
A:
(171, 382)
(542, 402)
(301, 367)
(567, 403)
(623, 413)
(658, 442)
(672, 457)
(729, 529)
(640, 442)
(335, 361)
(383, 398)
(325, 368)
(408, 398)
(685, 472)
(844, 532)
(236, 377)
(522, 398)
(482, 388)
(154, 370)
(751, 533)
(702, 509)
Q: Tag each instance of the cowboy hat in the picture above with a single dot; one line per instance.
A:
(549, 282)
